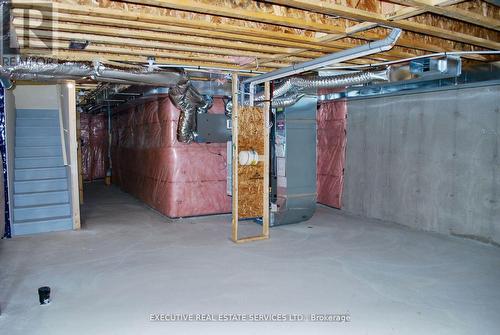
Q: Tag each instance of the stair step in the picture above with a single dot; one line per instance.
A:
(36, 122)
(36, 113)
(39, 162)
(29, 141)
(40, 198)
(36, 131)
(42, 185)
(38, 151)
(40, 173)
(41, 212)
(42, 226)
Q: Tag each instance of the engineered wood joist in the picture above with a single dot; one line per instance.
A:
(318, 7)
(108, 58)
(117, 18)
(108, 23)
(147, 44)
(238, 13)
(407, 12)
(149, 35)
(178, 30)
(125, 19)
(330, 38)
(96, 32)
(454, 13)
(362, 15)
(269, 33)
(147, 52)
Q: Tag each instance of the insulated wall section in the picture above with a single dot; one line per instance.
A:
(331, 142)
(177, 179)
(94, 145)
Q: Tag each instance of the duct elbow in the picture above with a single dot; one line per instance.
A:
(190, 102)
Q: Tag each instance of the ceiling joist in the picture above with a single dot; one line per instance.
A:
(453, 13)
(362, 15)
(247, 34)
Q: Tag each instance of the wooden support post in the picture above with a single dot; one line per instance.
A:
(256, 180)
(79, 154)
(265, 205)
(234, 126)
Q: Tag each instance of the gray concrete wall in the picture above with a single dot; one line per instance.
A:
(428, 161)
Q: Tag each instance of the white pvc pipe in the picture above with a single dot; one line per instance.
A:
(250, 157)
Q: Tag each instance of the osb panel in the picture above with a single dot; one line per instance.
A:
(479, 7)
(423, 43)
(250, 177)
(243, 4)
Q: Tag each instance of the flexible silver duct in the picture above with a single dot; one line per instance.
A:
(297, 84)
(186, 98)
(287, 101)
(363, 50)
(183, 94)
(276, 103)
(34, 69)
(164, 78)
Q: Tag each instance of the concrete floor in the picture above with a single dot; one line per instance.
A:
(129, 262)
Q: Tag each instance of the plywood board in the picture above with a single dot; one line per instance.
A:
(251, 177)
(250, 186)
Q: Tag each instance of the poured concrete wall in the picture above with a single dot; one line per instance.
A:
(429, 161)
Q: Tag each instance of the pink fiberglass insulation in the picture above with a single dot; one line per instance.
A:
(94, 145)
(84, 145)
(177, 179)
(331, 142)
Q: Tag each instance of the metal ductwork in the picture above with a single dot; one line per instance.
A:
(292, 89)
(334, 58)
(287, 101)
(186, 98)
(298, 84)
(31, 69)
(163, 78)
(321, 62)
(183, 94)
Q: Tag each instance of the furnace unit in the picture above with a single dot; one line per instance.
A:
(293, 163)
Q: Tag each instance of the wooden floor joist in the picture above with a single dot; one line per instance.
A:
(362, 15)
(251, 35)
(91, 26)
(248, 30)
(453, 13)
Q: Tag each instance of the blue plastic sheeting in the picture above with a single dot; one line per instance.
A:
(3, 150)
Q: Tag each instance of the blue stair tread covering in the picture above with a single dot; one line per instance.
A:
(42, 226)
(40, 185)
(40, 198)
(41, 195)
